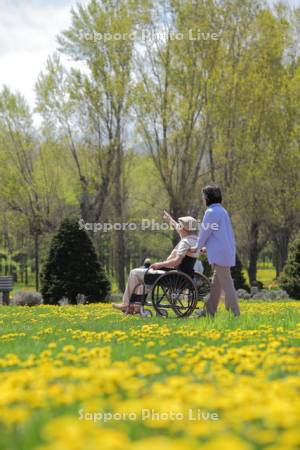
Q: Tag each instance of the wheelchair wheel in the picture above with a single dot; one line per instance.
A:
(175, 291)
(146, 313)
(162, 313)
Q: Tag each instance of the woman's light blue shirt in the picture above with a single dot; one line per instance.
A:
(216, 234)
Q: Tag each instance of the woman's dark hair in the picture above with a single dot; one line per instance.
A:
(212, 195)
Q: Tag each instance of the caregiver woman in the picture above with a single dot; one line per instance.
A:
(217, 236)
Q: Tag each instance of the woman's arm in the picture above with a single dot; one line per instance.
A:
(206, 229)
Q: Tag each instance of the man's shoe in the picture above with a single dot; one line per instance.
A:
(201, 313)
(134, 309)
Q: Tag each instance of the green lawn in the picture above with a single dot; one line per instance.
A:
(267, 274)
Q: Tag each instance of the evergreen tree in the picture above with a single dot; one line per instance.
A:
(238, 276)
(72, 267)
(289, 280)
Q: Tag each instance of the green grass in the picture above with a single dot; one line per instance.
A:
(33, 321)
(61, 321)
(22, 287)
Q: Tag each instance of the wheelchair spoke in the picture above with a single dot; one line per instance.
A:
(162, 297)
(203, 286)
(181, 284)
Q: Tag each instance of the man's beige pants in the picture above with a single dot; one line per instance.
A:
(222, 280)
(136, 277)
(135, 282)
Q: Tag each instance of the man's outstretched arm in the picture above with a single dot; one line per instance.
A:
(171, 221)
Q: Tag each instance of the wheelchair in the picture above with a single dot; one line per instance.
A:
(170, 291)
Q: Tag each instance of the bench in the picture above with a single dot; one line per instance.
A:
(6, 285)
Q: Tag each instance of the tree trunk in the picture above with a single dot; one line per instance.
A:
(128, 262)
(85, 206)
(119, 202)
(253, 252)
(26, 274)
(37, 260)
(121, 260)
(176, 211)
(281, 242)
(211, 156)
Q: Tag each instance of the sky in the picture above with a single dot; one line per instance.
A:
(28, 30)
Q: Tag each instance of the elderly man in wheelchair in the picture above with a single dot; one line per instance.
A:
(170, 286)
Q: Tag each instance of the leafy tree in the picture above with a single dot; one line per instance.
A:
(30, 187)
(94, 103)
(172, 96)
(72, 267)
(283, 162)
(256, 117)
(290, 278)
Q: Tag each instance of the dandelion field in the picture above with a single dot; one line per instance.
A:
(63, 367)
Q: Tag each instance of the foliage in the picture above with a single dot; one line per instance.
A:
(257, 283)
(238, 275)
(180, 112)
(290, 278)
(72, 267)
